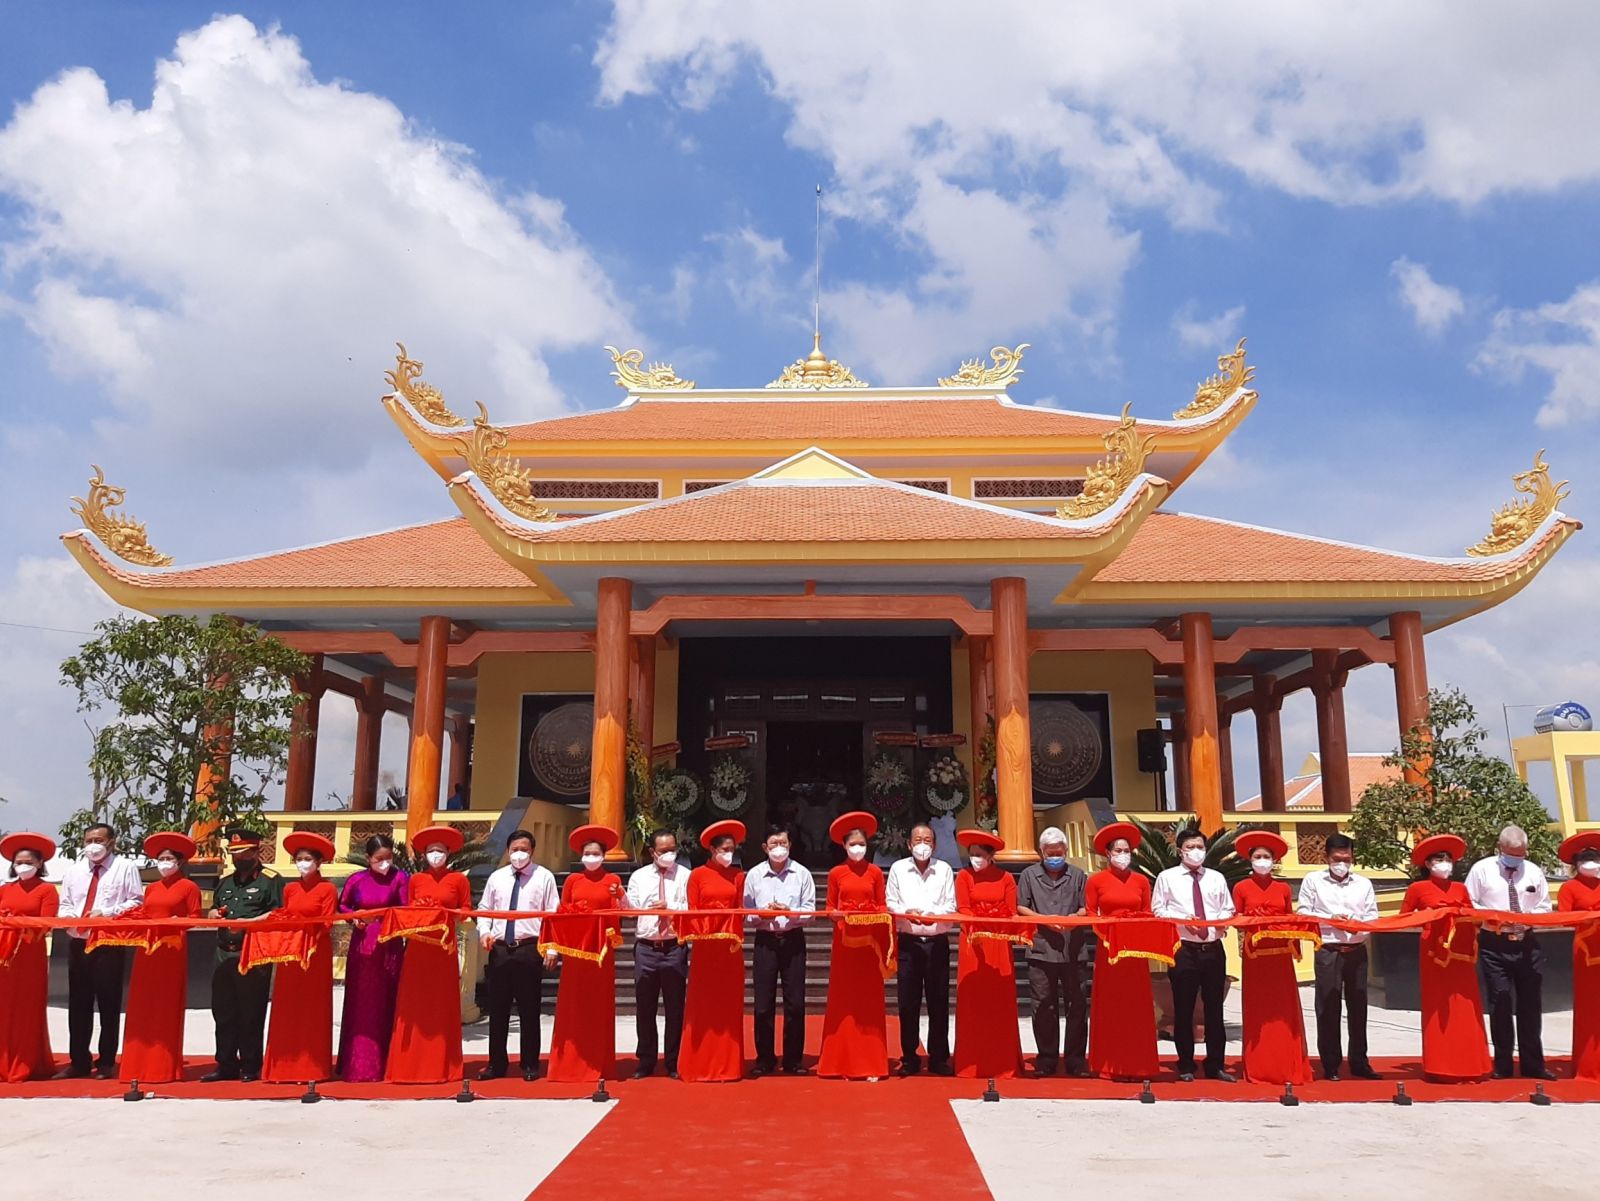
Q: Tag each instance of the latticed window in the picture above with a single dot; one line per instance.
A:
(1029, 489)
(940, 486)
(701, 485)
(596, 489)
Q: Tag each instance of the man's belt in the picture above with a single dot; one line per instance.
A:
(659, 942)
(1344, 948)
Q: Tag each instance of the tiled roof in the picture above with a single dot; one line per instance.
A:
(1304, 793)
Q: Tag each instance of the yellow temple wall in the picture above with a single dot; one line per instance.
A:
(1128, 677)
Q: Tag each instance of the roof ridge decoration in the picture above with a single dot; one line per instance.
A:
(1113, 475)
(1514, 522)
(484, 450)
(1211, 392)
(817, 371)
(632, 374)
(973, 374)
(121, 534)
(427, 400)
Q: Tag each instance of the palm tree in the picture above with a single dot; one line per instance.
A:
(1156, 851)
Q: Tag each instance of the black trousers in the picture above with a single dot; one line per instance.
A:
(1341, 976)
(661, 973)
(924, 979)
(1200, 973)
(515, 976)
(94, 984)
(1058, 989)
(239, 1008)
(780, 957)
(1511, 973)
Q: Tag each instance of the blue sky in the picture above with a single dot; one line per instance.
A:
(213, 227)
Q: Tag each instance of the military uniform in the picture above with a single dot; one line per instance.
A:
(239, 1002)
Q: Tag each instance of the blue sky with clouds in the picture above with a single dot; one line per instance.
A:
(213, 228)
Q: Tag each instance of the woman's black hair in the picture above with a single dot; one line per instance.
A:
(379, 842)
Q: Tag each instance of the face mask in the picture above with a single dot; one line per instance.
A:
(381, 866)
(305, 866)
(592, 862)
(166, 866)
(1262, 867)
(1194, 856)
(978, 862)
(519, 859)
(1338, 870)
(667, 858)
(1121, 860)
(27, 871)
(1510, 861)
(437, 858)
(725, 858)
(778, 855)
(96, 851)
(1055, 862)
(922, 852)
(856, 851)
(1589, 868)
(1441, 868)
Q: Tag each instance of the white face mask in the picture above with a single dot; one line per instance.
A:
(1262, 867)
(1589, 867)
(1338, 870)
(856, 850)
(519, 859)
(1194, 856)
(725, 858)
(592, 862)
(381, 866)
(778, 855)
(96, 851)
(437, 858)
(667, 858)
(305, 866)
(1441, 868)
(1121, 860)
(27, 871)
(922, 851)
(166, 866)
(979, 862)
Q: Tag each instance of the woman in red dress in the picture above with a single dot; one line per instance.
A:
(1122, 1011)
(24, 964)
(1274, 1030)
(713, 1012)
(300, 1036)
(426, 1045)
(987, 1039)
(158, 987)
(1581, 894)
(1453, 1043)
(583, 1046)
(854, 1035)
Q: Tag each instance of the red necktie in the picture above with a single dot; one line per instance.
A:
(1199, 905)
(94, 887)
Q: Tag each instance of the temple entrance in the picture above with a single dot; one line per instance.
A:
(814, 773)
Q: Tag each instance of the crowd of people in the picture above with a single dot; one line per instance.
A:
(1093, 1011)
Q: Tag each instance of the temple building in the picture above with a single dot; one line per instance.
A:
(820, 579)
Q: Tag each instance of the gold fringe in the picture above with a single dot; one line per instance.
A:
(886, 953)
(574, 953)
(417, 931)
(1156, 956)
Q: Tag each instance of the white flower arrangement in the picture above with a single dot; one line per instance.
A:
(945, 784)
(888, 783)
(677, 791)
(730, 785)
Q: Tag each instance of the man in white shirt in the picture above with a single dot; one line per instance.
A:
(660, 956)
(920, 889)
(1341, 960)
(515, 969)
(1200, 972)
(99, 883)
(1510, 965)
(778, 882)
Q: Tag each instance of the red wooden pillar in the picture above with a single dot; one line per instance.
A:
(460, 750)
(977, 692)
(1225, 757)
(609, 762)
(1200, 706)
(427, 727)
(369, 739)
(1333, 747)
(217, 769)
(1268, 705)
(1410, 680)
(642, 692)
(1013, 743)
(300, 778)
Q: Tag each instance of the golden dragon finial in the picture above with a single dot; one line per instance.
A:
(1108, 479)
(484, 451)
(1515, 521)
(973, 374)
(423, 397)
(818, 371)
(122, 535)
(632, 374)
(1210, 393)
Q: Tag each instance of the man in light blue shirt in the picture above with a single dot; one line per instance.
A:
(780, 951)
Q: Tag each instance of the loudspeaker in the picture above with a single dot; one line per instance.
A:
(1153, 750)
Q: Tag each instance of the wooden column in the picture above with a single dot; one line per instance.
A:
(642, 692)
(1410, 680)
(300, 779)
(1225, 757)
(977, 693)
(1268, 707)
(1182, 792)
(460, 750)
(1013, 744)
(369, 739)
(427, 726)
(608, 767)
(211, 773)
(1200, 707)
(1333, 747)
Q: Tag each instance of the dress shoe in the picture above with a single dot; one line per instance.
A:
(1078, 1071)
(492, 1073)
(642, 1074)
(799, 1069)
(1333, 1076)
(74, 1072)
(1364, 1072)
(908, 1068)
(672, 1074)
(1223, 1077)
(218, 1075)
(1541, 1074)
(1186, 1077)
(942, 1069)
(105, 1073)
(249, 1077)
(761, 1070)
(1044, 1067)
(530, 1074)
(1497, 1074)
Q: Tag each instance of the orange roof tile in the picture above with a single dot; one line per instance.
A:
(1305, 792)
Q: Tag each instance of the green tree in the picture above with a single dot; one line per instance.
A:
(1459, 790)
(181, 693)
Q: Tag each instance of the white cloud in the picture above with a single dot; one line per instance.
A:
(1433, 305)
(1561, 339)
(1217, 334)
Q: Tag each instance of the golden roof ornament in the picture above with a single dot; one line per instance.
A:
(632, 374)
(1210, 393)
(121, 534)
(1516, 521)
(973, 374)
(818, 371)
(423, 397)
(484, 451)
(1113, 475)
